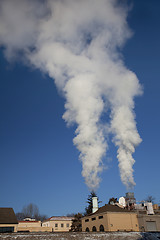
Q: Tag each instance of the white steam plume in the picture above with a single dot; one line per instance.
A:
(77, 43)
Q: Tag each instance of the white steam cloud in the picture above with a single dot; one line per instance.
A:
(77, 43)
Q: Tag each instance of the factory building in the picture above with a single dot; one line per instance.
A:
(123, 216)
(148, 215)
(110, 218)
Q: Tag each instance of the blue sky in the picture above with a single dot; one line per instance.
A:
(39, 162)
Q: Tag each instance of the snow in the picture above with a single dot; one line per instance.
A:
(81, 236)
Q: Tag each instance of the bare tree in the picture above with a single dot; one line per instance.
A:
(31, 211)
(112, 201)
(20, 216)
(70, 214)
(150, 199)
(42, 217)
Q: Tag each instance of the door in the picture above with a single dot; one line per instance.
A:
(151, 226)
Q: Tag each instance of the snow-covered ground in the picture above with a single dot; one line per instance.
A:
(80, 236)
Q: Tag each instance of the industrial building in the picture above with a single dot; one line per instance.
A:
(110, 218)
(125, 215)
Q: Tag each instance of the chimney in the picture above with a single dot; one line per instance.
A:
(95, 204)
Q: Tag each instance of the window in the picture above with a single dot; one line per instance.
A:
(56, 224)
(101, 228)
(100, 217)
(62, 224)
(6, 229)
(151, 226)
(87, 220)
(67, 225)
(93, 219)
(94, 229)
(87, 229)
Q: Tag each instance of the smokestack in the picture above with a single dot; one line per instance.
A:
(94, 204)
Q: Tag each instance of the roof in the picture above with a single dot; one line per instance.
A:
(109, 208)
(7, 216)
(28, 221)
(59, 218)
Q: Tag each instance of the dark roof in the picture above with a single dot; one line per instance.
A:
(109, 208)
(7, 216)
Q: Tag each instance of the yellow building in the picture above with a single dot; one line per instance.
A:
(31, 226)
(58, 224)
(110, 218)
(8, 220)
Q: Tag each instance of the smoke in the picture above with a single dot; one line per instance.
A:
(77, 43)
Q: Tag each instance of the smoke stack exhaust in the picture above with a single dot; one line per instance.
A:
(94, 204)
(81, 54)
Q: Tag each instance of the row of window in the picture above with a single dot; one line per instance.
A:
(6, 229)
(62, 225)
(94, 229)
(94, 218)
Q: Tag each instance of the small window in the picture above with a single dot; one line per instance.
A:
(56, 224)
(87, 220)
(94, 229)
(62, 225)
(93, 219)
(101, 228)
(100, 217)
(67, 225)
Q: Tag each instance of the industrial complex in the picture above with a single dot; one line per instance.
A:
(125, 215)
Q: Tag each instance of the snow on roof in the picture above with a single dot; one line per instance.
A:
(28, 221)
(60, 218)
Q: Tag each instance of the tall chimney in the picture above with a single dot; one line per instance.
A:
(95, 204)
